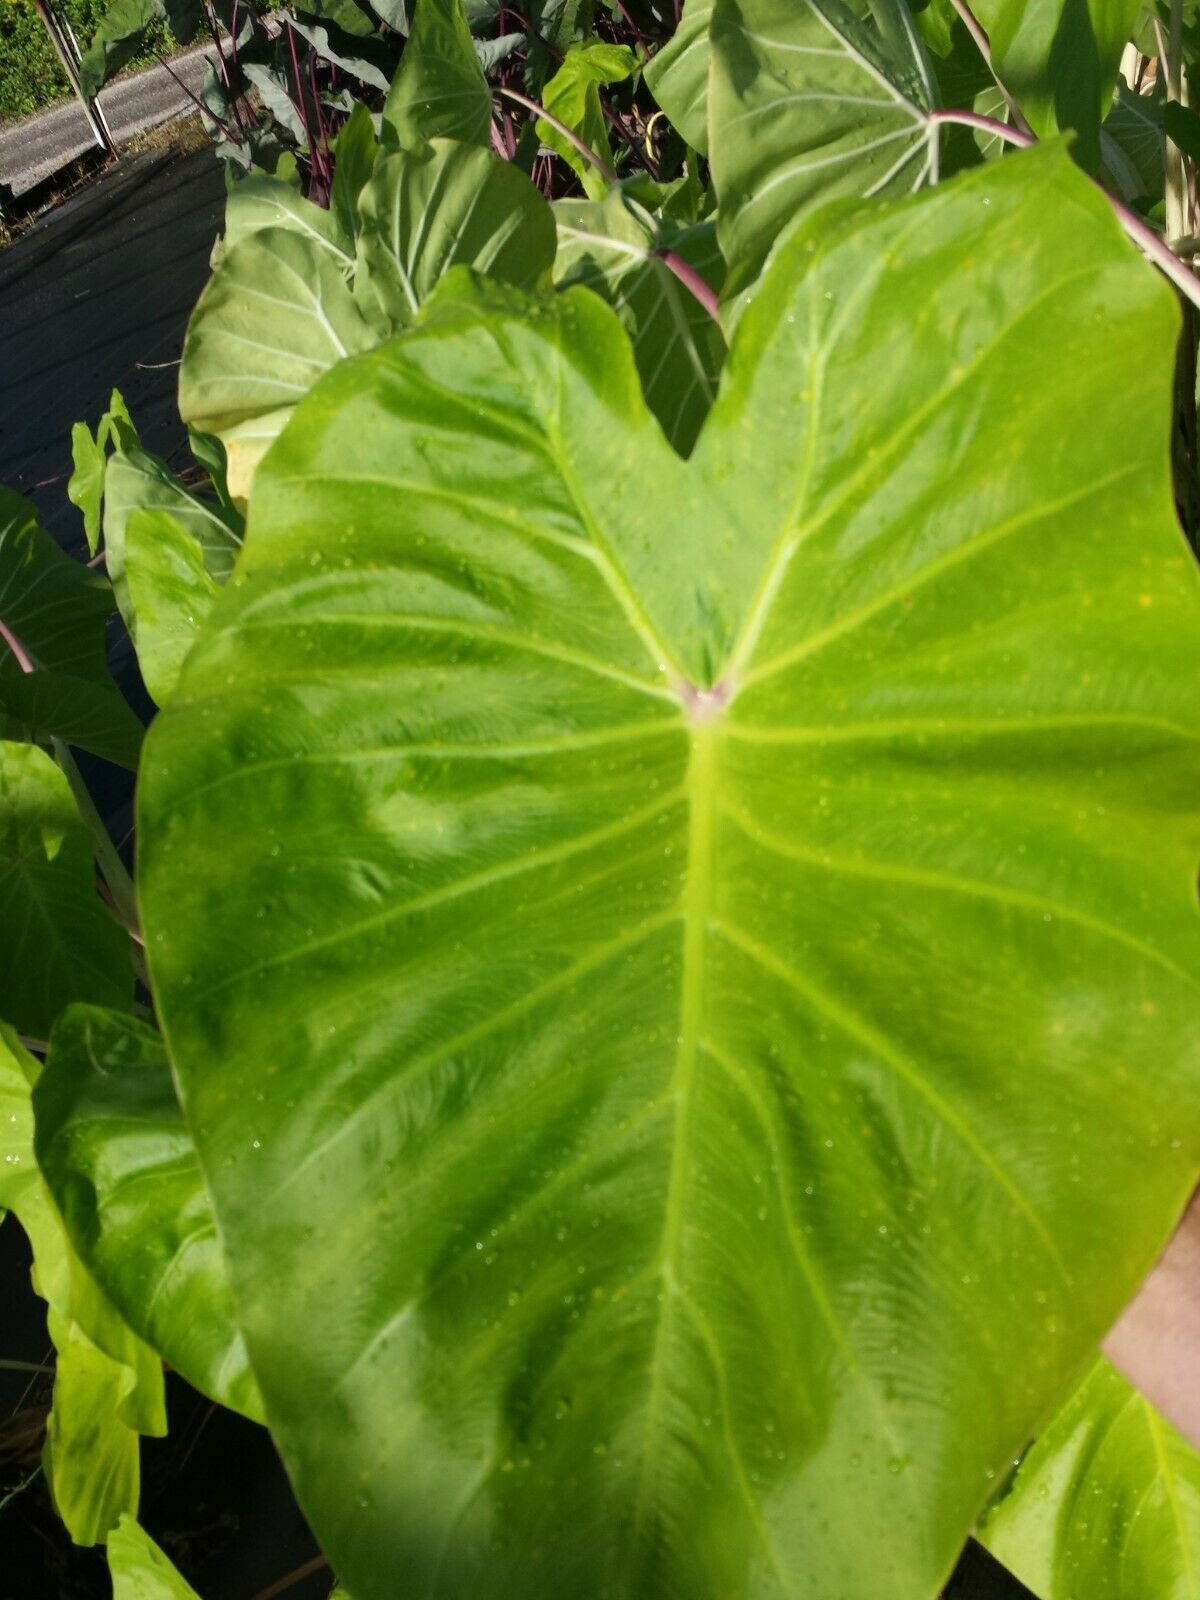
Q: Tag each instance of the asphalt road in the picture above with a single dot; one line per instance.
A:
(35, 149)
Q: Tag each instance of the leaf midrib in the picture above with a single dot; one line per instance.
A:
(697, 908)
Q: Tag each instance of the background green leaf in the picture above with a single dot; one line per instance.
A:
(116, 41)
(1106, 1504)
(264, 200)
(91, 1454)
(677, 75)
(610, 247)
(448, 203)
(171, 593)
(1059, 59)
(357, 148)
(60, 944)
(274, 316)
(698, 959)
(135, 481)
(807, 102)
(122, 1168)
(57, 610)
(1131, 145)
(139, 1569)
(439, 90)
(108, 1385)
(573, 96)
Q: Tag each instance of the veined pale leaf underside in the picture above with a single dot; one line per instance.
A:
(808, 103)
(682, 974)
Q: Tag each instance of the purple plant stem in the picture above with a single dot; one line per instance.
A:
(314, 153)
(222, 65)
(322, 126)
(984, 46)
(1154, 248)
(17, 648)
(972, 119)
(532, 33)
(627, 138)
(199, 104)
(251, 116)
(637, 32)
(692, 282)
(688, 276)
(602, 167)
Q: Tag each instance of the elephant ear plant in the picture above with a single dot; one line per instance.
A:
(654, 1035)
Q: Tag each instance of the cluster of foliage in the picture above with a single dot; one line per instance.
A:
(283, 85)
(653, 1036)
(31, 76)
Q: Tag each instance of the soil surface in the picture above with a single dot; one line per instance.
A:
(95, 295)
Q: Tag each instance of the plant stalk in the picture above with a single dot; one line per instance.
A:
(692, 282)
(1171, 59)
(585, 150)
(984, 45)
(17, 648)
(199, 104)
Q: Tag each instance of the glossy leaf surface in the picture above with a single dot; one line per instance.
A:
(448, 203)
(136, 480)
(1106, 1504)
(609, 247)
(59, 942)
(265, 200)
(55, 611)
(1132, 145)
(103, 1397)
(274, 316)
(139, 1569)
(677, 75)
(439, 90)
(573, 97)
(698, 958)
(122, 1168)
(809, 102)
(1059, 58)
(170, 591)
(92, 1456)
(357, 148)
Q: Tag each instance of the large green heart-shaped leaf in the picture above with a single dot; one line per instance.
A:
(1106, 1505)
(808, 102)
(122, 1168)
(59, 943)
(682, 974)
